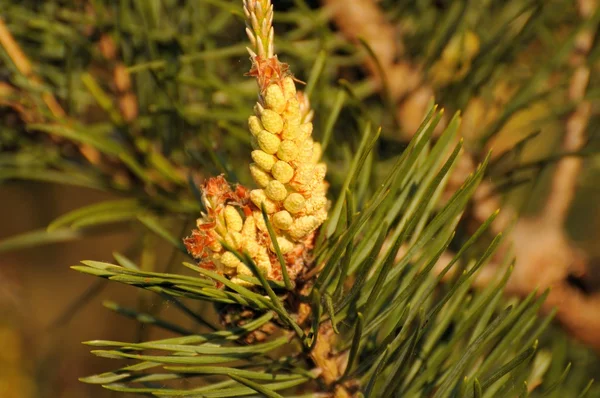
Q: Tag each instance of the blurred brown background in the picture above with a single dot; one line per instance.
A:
(38, 287)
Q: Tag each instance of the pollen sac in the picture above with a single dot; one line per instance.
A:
(320, 171)
(320, 188)
(282, 220)
(290, 132)
(233, 219)
(304, 131)
(293, 106)
(252, 247)
(292, 113)
(302, 226)
(242, 269)
(276, 191)
(285, 245)
(268, 142)
(220, 226)
(259, 220)
(262, 261)
(215, 246)
(294, 203)
(229, 259)
(258, 197)
(317, 152)
(255, 125)
(271, 121)
(305, 111)
(305, 152)
(274, 98)
(260, 176)
(288, 151)
(321, 215)
(289, 87)
(249, 230)
(304, 175)
(259, 254)
(315, 203)
(234, 239)
(263, 159)
(282, 171)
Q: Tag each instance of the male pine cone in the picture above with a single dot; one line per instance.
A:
(285, 166)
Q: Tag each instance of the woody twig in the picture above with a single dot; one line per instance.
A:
(31, 112)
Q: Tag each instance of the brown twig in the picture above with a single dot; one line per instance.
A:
(122, 81)
(567, 170)
(578, 312)
(363, 19)
(403, 77)
(24, 67)
(545, 256)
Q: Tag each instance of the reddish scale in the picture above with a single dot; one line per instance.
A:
(216, 186)
(219, 193)
(241, 192)
(309, 242)
(207, 226)
(297, 187)
(268, 71)
(219, 190)
(300, 250)
(263, 238)
(196, 245)
(242, 197)
(248, 209)
(276, 273)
